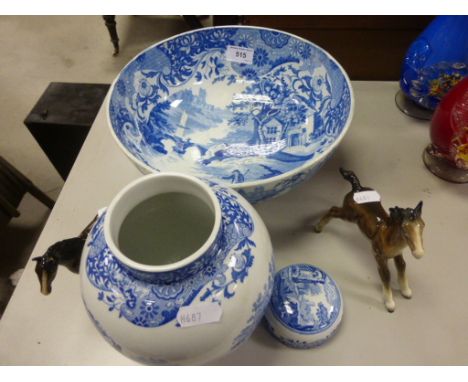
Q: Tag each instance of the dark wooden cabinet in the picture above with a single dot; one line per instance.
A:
(61, 119)
(368, 47)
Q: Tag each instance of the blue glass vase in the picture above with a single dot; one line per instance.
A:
(436, 61)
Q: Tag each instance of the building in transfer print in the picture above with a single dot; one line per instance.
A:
(190, 111)
(299, 135)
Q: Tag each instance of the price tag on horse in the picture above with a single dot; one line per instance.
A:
(366, 197)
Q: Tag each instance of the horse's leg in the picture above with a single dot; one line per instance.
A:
(402, 279)
(385, 277)
(334, 212)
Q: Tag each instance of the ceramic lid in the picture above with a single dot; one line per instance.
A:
(306, 306)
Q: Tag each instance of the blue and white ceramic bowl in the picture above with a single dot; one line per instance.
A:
(306, 306)
(256, 109)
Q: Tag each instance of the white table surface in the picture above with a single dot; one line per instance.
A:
(384, 148)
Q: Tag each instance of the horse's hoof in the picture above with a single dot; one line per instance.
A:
(407, 293)
(390, 305)
(317, 228)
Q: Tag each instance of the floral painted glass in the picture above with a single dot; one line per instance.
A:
(435, 62)
(447, 155)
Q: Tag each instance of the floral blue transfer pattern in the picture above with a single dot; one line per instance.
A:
(298, 344)
(305, 299)
(103, 332)
(436, 61)
(156, 303)
(258, 308)
(274, 114)
(274, 39)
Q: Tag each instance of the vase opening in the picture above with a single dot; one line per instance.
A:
(162, 222)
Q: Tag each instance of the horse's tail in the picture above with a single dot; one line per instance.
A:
(352, 178)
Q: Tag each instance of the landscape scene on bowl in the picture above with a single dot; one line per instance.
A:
(233, 104)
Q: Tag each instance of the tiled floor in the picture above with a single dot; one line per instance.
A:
(37, 50)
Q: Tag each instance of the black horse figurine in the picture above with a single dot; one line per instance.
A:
(66, 252)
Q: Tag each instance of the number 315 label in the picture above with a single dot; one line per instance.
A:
(199, 314)
(239, 54)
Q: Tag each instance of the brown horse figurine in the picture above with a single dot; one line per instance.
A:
(389, 234)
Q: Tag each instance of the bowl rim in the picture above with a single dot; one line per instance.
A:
(253, 183)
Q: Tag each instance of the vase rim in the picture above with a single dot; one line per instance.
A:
(191, 184)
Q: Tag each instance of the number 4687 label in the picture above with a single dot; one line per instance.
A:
(199, 314)
(239, 54)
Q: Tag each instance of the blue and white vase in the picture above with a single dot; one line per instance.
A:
(436, 61)
(194, 309)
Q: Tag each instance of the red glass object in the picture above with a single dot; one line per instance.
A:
(447, 155)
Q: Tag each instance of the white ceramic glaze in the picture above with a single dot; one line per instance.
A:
(135, 306)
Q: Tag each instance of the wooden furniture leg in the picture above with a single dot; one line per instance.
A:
(111, 27)
(23, 184)
(192, 21)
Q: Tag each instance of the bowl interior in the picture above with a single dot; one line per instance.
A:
(233, 104)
